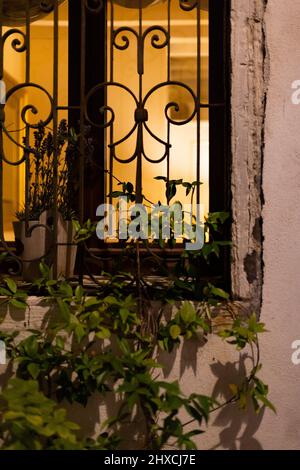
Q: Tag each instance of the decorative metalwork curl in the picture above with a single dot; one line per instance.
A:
(16, 44)
(158, 139)
(28, 108)
(96, 7)
(119, 142)
(188, 5)
(103, 109)
(19, 162)
(31, 107)
(155, 39)
(156, 160)
(173, 104)
(125, 160)
(125, 39)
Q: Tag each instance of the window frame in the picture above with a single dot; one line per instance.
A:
(249, 82)
(220, 200)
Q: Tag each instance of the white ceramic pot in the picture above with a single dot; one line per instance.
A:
(66, 251)
(31, 249)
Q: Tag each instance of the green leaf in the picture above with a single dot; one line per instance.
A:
(79, 333)
(60, 342)
(161, 178)
(116, 194)
(234, 389)
(31, 346)
(129, 187)
(187, 313)
(34, 370)
(45, 270)
(217, 292)
(103, 333)
(111, 300)
(76, 225)
(124, 313)
(266, 402)
(5, 292)
(79, 292)
(64, 310)
(66, 290)
(175, 331)
(91, 302)
(36, 421)
(11, 284)
(18, 304)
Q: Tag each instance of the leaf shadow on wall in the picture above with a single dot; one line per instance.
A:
(238, 427)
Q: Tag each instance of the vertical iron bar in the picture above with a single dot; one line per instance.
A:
(81, 127)
(105, 139)
(112, 21)
(55, 136)
(168, 79)
(27, 133)
(219, 143)
(1, 43)
(198, 103)
(82, 102)
(111, 132)
(1, 132)
(140, 60)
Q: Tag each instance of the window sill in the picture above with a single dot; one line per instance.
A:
(40, 310)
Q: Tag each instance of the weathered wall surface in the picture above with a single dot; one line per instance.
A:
(281, 216)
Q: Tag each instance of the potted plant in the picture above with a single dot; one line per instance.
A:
(34, 240)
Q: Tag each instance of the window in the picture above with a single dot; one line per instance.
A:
(145, 79)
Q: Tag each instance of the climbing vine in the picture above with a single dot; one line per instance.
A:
(110, 341)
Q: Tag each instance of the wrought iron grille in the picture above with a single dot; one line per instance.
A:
(96, 146)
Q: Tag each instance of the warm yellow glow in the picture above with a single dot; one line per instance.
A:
(41, 72)
(183, 160)
(13, 187)
(183, 68)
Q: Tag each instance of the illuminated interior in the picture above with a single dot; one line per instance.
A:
(183, 160)
(41, 72)
(183, 68)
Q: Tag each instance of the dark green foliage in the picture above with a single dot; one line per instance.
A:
(105, 342)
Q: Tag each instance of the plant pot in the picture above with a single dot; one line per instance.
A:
(14, 11)
(31, 249)
(66, 251)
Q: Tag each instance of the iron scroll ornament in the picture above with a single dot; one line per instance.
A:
(140, 117)
(159, 39)
(26, 109)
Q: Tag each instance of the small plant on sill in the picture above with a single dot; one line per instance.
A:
(42, 176)
(42, 181)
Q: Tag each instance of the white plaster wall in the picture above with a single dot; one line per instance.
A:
(281, 287)
(281, 307)
(281, 227)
